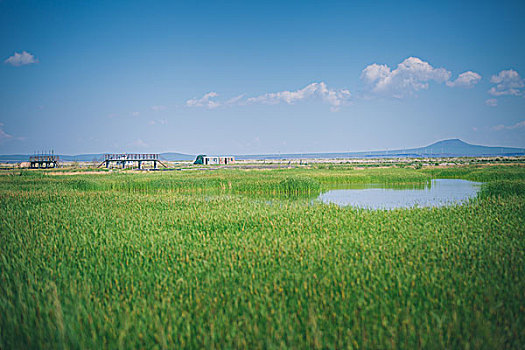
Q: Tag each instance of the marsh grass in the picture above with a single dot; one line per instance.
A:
(297, 185)
(503, 188)
(196, 260)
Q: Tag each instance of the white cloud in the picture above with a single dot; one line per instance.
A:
(205, 101)
(135, 114)
(466, 80)
(21, 59)
(335, 98)
(411, 75)
(158, 108)
(518, 125)
(508, 82)
(234, 100)
(158, 122)
(3, 135)
(491, 102)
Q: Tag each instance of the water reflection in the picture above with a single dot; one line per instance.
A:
(437, 193)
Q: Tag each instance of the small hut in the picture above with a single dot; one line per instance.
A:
(213, 160)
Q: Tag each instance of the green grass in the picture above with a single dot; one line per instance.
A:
(479, 173)
(196, 260)
(503, 188)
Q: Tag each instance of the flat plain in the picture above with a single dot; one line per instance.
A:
(245, 258)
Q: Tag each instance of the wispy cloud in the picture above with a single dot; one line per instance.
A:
(465, 80)
(3, 135)
(491, 102)
(204, 101)
(158, 122)
(334, 97)
(21, 59)
(235, 100)
(410, 76)
(508, 82)
(158, 108)
(135, 114)
(518, 125)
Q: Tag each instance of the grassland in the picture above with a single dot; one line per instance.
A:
(204, 260)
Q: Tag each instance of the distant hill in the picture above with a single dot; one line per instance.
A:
(445, 148)
(172, 157)
(441, 149)
(458, 148)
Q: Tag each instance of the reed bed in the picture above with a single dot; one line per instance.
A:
(193, 260)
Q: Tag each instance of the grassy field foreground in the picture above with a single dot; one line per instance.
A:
(204, 260)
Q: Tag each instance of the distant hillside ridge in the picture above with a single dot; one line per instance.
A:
(440, 149)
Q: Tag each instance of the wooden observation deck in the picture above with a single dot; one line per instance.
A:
(43, 161)
(124, 160)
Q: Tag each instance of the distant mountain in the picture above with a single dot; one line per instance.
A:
(441, 149)
(13, 158)
(172, 157)
(445, 148)
(458, 148)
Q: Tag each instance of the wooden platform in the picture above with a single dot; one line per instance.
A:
(124, 160)
(43, 161)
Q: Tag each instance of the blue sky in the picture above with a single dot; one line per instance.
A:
(245, 77)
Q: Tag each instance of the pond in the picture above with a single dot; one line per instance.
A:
(437, 193)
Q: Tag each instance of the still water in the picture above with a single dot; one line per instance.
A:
(437, 193)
